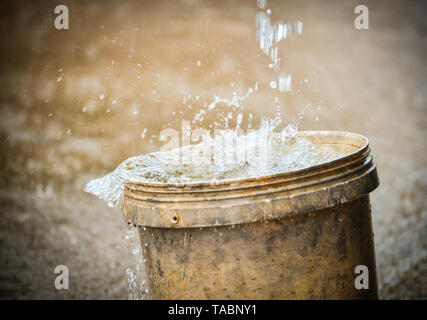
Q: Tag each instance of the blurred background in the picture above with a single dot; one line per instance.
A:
(75, 103)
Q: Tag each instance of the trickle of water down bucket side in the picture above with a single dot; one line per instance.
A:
(291, 235)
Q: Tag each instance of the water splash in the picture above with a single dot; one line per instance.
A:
(227, 155)
(235, 101)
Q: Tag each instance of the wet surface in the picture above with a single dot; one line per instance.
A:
(75, 103)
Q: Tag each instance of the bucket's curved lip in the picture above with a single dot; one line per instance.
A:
(224, 182)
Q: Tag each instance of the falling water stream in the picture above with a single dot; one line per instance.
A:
(137, 283)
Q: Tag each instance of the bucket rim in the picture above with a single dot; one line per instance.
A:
(361, 148)
(259, 198)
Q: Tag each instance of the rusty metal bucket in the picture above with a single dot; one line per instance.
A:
(293, 235)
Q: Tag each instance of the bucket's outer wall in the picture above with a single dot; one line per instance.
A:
(310, 256)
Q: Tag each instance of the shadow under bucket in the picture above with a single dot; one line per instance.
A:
(291, 235)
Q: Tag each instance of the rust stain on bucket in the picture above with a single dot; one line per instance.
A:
(291, 235)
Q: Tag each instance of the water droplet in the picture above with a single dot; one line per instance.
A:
(285, 83)
(239, 119)
(143, 133)
(273, 84)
